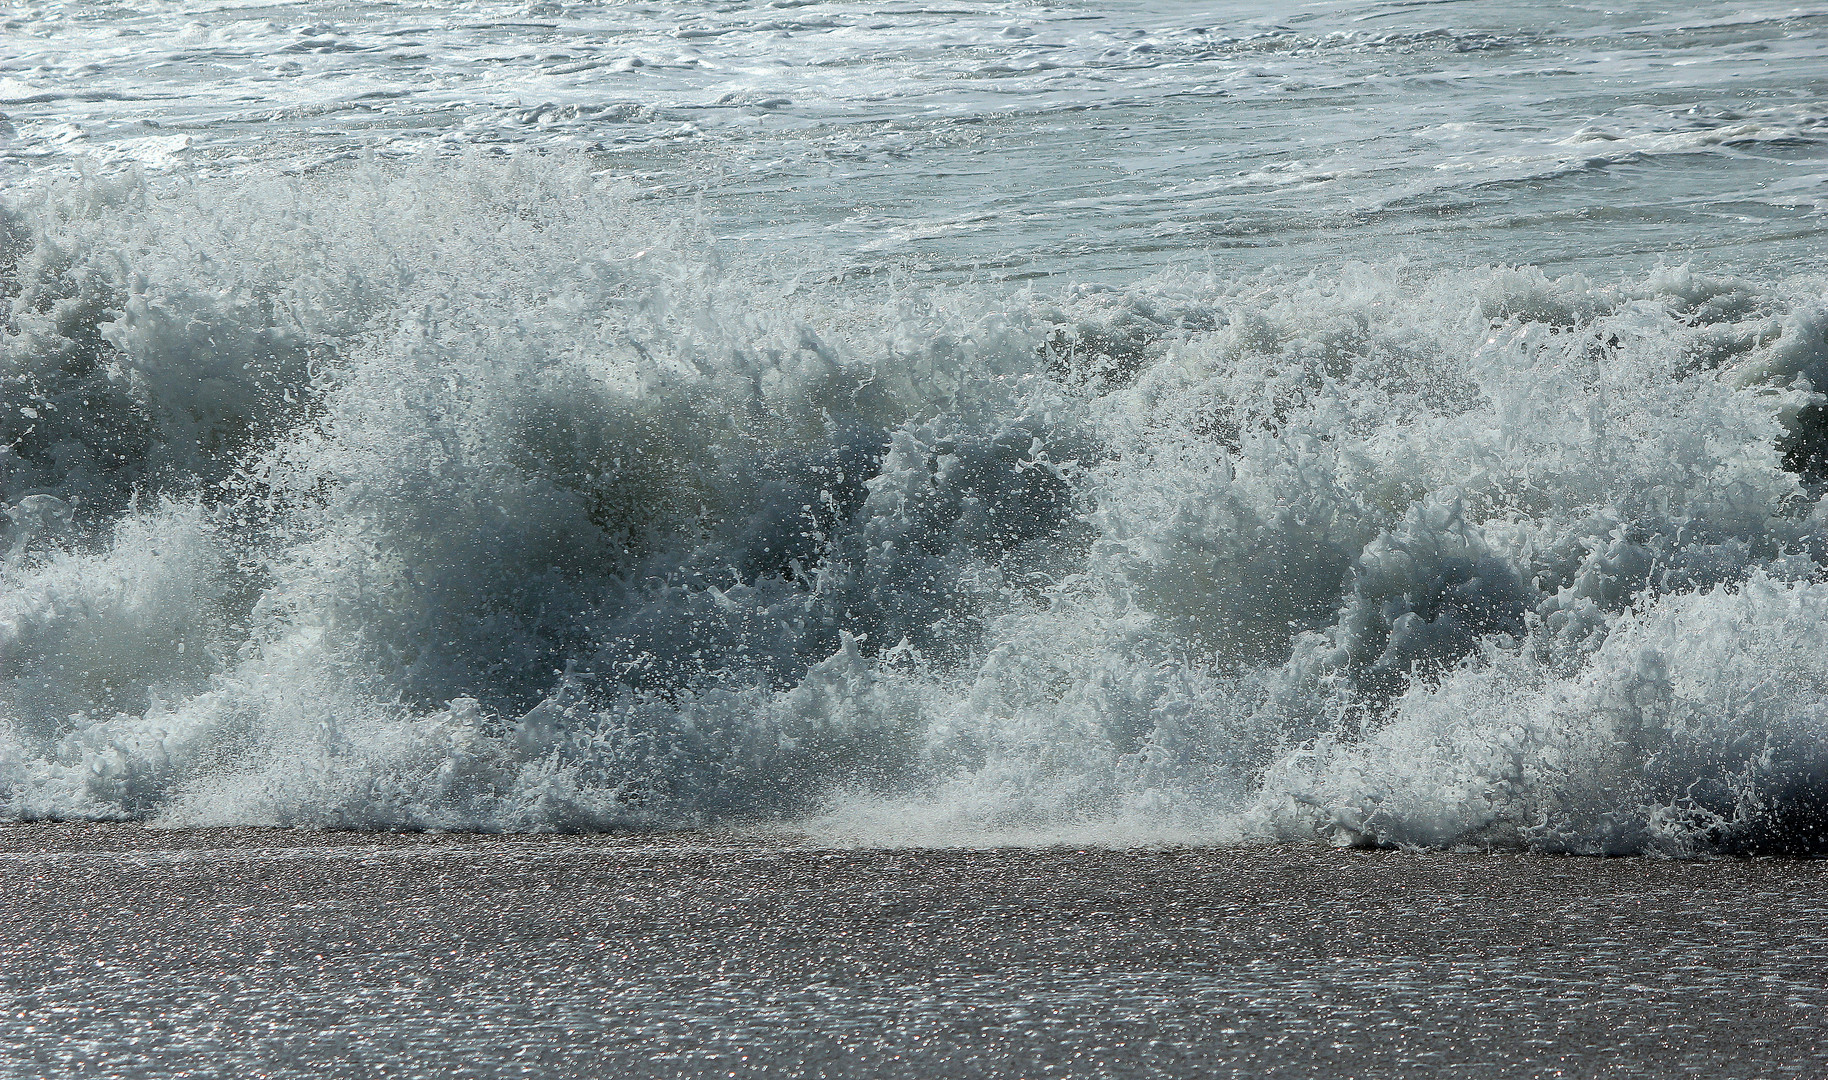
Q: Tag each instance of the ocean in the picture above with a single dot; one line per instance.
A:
(1032, 486)
(132, 953)
(1386, 423)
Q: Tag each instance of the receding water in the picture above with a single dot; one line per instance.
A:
(1392, 424)
(251, 953)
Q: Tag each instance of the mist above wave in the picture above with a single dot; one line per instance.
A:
(489, 495)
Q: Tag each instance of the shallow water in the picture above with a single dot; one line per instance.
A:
(304, 954)
(1385, 424)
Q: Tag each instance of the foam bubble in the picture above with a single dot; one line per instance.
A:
(481, 496)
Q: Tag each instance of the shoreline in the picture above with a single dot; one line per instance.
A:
(105, 837)
(285, 953)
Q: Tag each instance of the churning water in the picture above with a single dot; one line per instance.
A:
(1396, 423)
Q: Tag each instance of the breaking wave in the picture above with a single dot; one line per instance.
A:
(495, 496)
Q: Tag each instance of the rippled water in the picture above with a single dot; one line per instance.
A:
(1015, 139)
(1390, 424)
(299, 955)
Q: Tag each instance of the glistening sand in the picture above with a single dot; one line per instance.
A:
(129, 952)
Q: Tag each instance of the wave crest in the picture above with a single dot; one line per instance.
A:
(483, 496)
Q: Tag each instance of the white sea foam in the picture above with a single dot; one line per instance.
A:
(481, 495)
(1013, 135)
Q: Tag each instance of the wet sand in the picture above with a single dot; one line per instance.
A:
(128, 952)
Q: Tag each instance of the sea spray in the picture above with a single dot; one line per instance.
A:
(484, 496)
